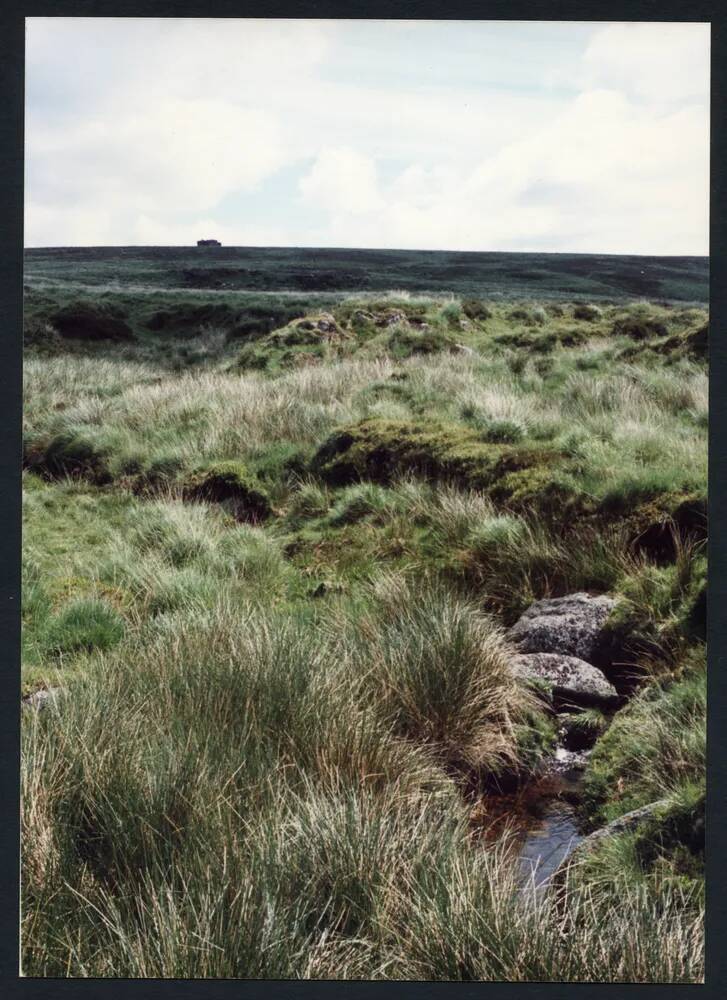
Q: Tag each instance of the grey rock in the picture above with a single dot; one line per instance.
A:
(362, 316)
(623, 824)
(45, 698)
(390, 318)
(572, 625)
(326, 324)
(571, 678)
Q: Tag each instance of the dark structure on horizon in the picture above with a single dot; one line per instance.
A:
(208, 243)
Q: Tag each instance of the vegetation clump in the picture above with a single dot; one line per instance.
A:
(587, 312)
(660, 616)
(638, 328)
(40, 337)
(657, 519)
(451, 314)
(83, 624)
(442, 671)
(70, 454)
(84, 321)
(230, 483)
(691, 343)
(251, 321)
(543, 491)
(380, 450)
(654, 749)
(538, 343)
(697, 342)
(476, 309)
(405, 342)
(310, 330)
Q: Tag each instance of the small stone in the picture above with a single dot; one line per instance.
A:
(45, 698)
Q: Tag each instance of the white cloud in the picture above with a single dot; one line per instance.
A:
(656, 62)
(178, 154)
(69, 225)
(176, 121)
(138, 131)
(607, 175)
(343, 181)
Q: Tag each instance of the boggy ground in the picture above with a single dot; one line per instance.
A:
(271, 551)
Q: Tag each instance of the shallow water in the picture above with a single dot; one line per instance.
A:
(547, 844)
(542, 816)
(554, 832)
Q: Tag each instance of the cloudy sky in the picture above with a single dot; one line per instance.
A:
(561, 136)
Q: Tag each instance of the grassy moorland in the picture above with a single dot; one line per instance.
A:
(272, 544)
(492, 275)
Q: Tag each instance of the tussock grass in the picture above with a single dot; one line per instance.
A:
(629, 428)
(322, 880)
(440, 672)
(227, 810)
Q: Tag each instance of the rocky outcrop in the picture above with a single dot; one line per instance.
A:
(310, 330)
(388, 317)
(570, 678)
(571, 626)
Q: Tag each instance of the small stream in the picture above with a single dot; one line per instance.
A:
(547, 844)
(554, 831)
(542, 816)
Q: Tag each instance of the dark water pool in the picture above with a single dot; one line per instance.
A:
(542, 816)
(553, 832)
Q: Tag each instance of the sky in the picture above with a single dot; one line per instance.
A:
(587, 137)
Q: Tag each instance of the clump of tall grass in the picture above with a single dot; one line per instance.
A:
(83, 624)
(439, 670)
(450, 314)
(319, 882)
(153, 429)
(662, 609)
(513, 559)
(198, 838)
(466, 918)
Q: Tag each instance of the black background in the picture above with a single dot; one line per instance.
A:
(12, 14)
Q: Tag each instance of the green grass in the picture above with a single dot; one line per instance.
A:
(655, 747)
(270, 549)
(83, 624)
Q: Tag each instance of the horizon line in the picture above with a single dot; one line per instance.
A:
(348, 249)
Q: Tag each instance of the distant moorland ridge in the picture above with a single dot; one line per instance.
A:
(507, 275)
